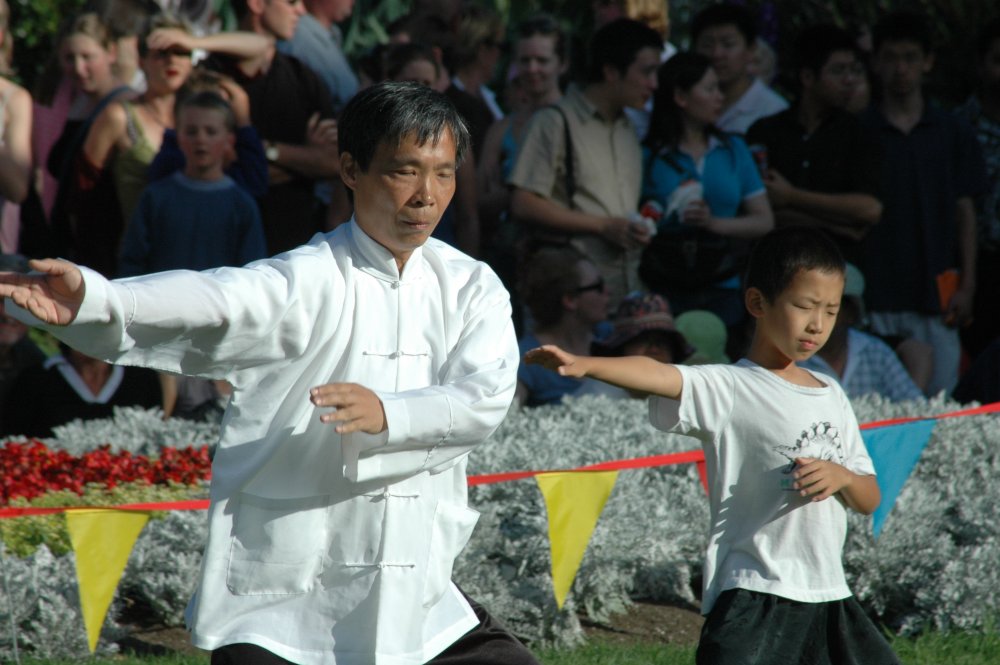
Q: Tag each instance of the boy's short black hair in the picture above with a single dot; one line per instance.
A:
(725, 14)
(782, 253)
(617, 44)
(390, 112)
(816, 43)
(903, 26)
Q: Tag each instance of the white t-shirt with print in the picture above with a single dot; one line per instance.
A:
(752, 424)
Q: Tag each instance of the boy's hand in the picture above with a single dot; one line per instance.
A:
(819, 479)
(552, 357)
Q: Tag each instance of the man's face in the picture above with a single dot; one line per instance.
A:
(338, 10)
(281, 17)
(836, 82)
(639, 82)
(728, 50)
(901, 67)
(399, 200)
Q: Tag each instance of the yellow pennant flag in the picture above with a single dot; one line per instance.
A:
(102, 541)
(574, 502)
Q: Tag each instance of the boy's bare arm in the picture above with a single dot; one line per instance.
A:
(637, 373)
(821, 479)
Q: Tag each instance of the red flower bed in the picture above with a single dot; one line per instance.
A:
(30, 469)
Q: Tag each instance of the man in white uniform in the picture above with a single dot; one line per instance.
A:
(366, 365)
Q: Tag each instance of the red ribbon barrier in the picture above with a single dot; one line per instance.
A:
(687, 457)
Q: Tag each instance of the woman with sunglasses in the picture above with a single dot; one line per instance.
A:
(127, 135)
(566, 298)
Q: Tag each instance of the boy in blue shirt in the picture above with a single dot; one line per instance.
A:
(197, 218)
(785, 459)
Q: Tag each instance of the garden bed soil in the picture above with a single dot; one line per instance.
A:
(648, 623)
(643, 623)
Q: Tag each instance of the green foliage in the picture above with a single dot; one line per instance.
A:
(368, 22)
(23, 535)
(931, 649)
(33, 24)
(616, 654)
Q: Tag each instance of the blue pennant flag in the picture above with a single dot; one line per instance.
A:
(895, 450)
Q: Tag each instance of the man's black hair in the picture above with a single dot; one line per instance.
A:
(725, 14)
(390, 112)
(989, 34)
(816, 43)
(617, 44)
(782, 253)
(903, 26)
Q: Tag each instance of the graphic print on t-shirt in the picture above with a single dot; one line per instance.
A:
(818, 441)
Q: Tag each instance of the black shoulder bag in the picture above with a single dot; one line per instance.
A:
(688, 258)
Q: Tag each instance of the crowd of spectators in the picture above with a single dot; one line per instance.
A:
(616, 192)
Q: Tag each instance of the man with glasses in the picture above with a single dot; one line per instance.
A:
(822, 166)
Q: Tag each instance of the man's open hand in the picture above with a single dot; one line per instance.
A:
(53, 294)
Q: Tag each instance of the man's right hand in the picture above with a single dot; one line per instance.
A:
(625, 233)
(53, 293)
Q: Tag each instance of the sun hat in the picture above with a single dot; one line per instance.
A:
(640, 312)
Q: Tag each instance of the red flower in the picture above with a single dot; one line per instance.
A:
(30, 469)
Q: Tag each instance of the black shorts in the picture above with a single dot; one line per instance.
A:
(753, 628)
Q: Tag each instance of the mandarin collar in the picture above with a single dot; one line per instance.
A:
(379, 262)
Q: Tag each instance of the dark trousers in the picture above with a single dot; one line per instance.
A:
(489, 643)
(752, 628)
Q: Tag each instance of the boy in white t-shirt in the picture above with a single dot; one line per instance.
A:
(785, 458)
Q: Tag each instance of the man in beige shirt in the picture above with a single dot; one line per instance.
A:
(606, 158)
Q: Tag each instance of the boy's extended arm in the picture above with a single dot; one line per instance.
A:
(637, 373)
(821, 479)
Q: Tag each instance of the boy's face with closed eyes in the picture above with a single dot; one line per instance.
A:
(800, 319)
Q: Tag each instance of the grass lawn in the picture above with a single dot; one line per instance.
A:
(932, 649)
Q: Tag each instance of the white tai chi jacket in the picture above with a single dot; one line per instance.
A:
(328, 549)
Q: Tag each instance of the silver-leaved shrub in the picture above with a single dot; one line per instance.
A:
(933, 567)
